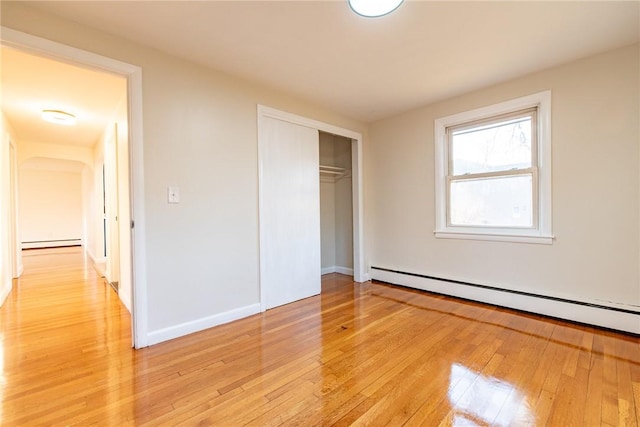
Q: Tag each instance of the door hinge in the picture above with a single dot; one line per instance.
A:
(132, 224)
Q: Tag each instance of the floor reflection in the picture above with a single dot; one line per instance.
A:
(3, 380)
(479, 399)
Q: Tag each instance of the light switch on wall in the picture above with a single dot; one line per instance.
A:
(173, 195)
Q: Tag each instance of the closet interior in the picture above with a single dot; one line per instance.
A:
(336, 204)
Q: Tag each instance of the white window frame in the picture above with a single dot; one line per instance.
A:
(541, 230)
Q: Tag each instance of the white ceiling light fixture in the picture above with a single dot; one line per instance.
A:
(374, 8)
(59, 117)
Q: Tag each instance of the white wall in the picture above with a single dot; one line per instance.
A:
(50, 205)
(89, 215)
(94, 206)
(200, 134)
(10, 257)
(5, 212)
(14, 233)
(595, 139)
(39, 153)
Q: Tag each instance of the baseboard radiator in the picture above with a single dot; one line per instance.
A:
(41, 244)
(619, 317)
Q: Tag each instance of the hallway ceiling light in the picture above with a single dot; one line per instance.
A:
(374, 8)
(59, 117)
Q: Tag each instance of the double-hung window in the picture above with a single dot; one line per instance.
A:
(493, 172)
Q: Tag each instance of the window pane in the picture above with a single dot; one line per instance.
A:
(492, 147)
(492, 202)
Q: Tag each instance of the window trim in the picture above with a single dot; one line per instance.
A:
(541, 192)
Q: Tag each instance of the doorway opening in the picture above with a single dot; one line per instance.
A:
(120, 154)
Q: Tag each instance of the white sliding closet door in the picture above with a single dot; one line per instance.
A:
(290, 217)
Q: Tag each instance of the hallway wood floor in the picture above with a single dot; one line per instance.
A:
(357, 354)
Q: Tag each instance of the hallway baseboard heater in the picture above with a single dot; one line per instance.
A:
(42, 244)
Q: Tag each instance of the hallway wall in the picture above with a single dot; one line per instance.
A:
(7, 252)
(50, 206)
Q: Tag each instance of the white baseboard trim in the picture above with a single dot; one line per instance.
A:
(337, 269)
(155, 337)
(98, 263)
(578, 312)
(6, 290)
(344, 270)
(95, 260)
(126, 301)
(327, 270)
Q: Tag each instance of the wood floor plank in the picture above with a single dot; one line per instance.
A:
(593, 406)
(636, 398)
(626, 357)
(610, 410)
(358, 354)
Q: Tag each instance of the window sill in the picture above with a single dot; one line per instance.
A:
(512, 238)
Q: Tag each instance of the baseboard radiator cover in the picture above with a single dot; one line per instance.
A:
(625, 319)
(42, 244)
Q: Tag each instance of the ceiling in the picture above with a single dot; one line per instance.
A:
(367, 68)
(33, 83)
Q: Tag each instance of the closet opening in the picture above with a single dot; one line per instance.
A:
(291, 247)
(336, 204)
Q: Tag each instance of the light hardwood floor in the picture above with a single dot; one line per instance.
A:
(357, 354)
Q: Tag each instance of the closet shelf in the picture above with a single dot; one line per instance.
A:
(334, 172)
